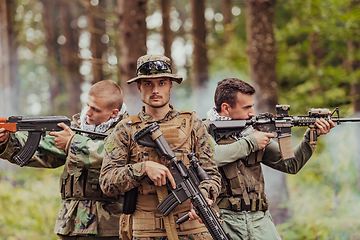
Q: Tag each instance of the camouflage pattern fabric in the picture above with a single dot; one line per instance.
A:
(196, 236)
(76, 217)
(123, 170)
(118, 176)
(150, 58)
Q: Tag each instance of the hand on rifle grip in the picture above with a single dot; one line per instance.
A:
(4, 135)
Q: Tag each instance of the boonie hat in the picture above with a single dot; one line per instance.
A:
(154, 66)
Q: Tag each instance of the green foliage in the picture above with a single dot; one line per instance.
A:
(324, 195)
(313, 52)
(29, 204)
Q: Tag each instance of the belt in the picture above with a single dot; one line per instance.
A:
(255, 205)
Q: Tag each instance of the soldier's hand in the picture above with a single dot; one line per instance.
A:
(4, 135)
(262, 138)
(62, 137)
(192, 214)
(158, 173)
(323, 126)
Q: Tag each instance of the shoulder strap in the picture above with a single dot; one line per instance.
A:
(188, 134)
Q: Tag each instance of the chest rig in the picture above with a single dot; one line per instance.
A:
(242, 183)
(147, 219)
(84, 183)
(177, 132)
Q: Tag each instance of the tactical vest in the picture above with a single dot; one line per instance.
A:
(84, 183)
(147, 219)
(242, 183)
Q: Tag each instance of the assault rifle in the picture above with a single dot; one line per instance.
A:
(37, 127)
(280, 124)
(186, 179)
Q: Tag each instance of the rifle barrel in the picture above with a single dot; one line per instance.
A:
(345, 119)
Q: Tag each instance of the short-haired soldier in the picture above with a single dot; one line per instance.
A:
(126, 163)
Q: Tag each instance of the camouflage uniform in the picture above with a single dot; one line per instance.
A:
(79, 216)
(242, 199)
(123, 169)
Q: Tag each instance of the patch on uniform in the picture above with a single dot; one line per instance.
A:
(110, 146)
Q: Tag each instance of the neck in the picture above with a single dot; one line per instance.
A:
(157, 113)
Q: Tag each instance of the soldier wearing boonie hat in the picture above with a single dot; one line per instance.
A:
(127, 163)
(154, 66)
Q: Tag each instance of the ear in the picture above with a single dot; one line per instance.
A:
(114, 112)
(225, 109)
(171, 84)
(138, 86)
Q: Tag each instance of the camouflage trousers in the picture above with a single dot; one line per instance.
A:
(197, 236)
(62, 237)
(249, 225)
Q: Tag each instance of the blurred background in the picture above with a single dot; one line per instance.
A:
(305, 53)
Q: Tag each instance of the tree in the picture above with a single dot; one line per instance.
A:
(132, 41)
(70, 57)
(167, 36)
(9, 81)
(262, 58)
(200, 59)
(52, 52)
(228, 25)
(97, 29)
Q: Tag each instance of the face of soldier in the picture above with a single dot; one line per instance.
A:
(98, 111)
(244, 108)
(155, 92)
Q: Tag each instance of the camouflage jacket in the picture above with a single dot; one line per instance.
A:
(76, 217)
(122, 170)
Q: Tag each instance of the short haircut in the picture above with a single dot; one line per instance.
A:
(227, 89)
(110, 90)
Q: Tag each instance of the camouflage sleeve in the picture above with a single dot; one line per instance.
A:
(117, 175)
(47, 155)
(210, 188)
(302, 152)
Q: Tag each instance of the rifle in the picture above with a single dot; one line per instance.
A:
(280, 124)
(187, 181)
(37, 127)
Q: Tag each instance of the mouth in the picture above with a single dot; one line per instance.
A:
(155, 97)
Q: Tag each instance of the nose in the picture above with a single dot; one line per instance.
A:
(88, 112)
(155, 89)
(252, 112)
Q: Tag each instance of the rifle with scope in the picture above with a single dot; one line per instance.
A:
(279, 124)
(36, 127)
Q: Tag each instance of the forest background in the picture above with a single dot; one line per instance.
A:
(304, 53)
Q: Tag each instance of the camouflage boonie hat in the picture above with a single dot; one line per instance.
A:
(147, 67)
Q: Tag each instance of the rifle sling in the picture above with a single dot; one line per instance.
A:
(162, 192)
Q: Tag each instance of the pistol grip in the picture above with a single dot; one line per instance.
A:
(28, 150)
(313, 136)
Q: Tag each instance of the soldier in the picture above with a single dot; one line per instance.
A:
(86, 213)
(126, 163)
(242, 199)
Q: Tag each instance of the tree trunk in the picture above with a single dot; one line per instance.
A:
(9, 81)
(228, 25)
(97, 29)
(132, 42)
(200, 60)
(262, 57)
(51, 44)
(70, 58)
(167, 35)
